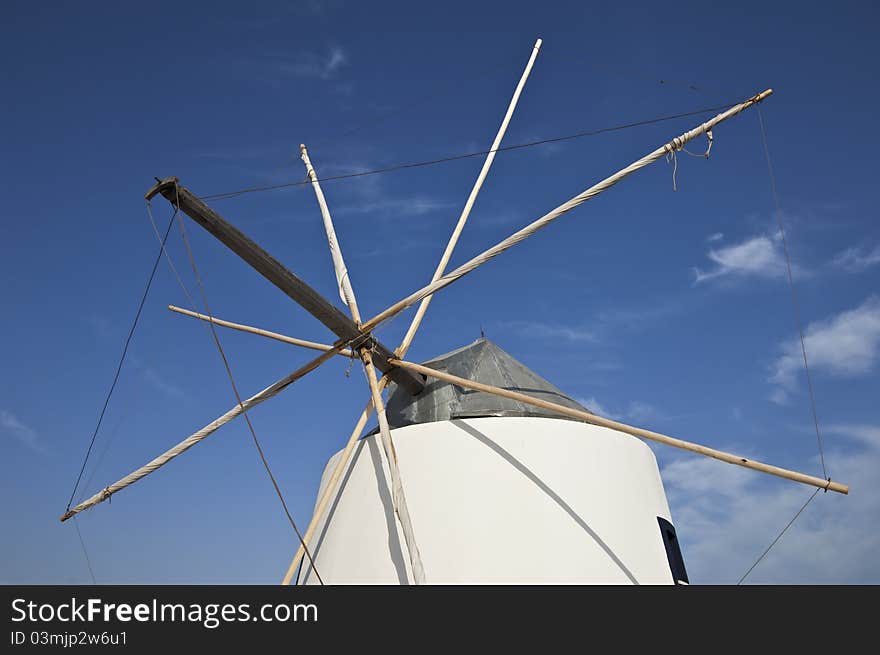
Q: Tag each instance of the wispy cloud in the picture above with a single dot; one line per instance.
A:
(12, 426)
(846, 345)
(757, 256)
(152, 377)
(635, 411)
(538, 330)
(868, 434)
(596, 407)
(717, 236)
(322, 66)
(639, 412)
(726, 516)
(384, 250)
(857, 259)
(411, 206)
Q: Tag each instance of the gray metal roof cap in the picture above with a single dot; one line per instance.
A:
(481, 361)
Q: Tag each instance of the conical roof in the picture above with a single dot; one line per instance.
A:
(481, 361)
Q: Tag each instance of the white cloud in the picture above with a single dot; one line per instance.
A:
(726, 516)
(538, 330)
(718, 236)
(638, 412)
(319, 66)
(857, 259)
(11, 426)
(412, 206)
(846, 345)
(596, 407)
(868, 434)
(759, 256)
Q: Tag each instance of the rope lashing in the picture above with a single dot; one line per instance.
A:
(677, 145)
(670, 156)
(350, 364)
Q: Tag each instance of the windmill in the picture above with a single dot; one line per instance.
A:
(471, 446)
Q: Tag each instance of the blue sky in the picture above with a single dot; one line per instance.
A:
(665, 309)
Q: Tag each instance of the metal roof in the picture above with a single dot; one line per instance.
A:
(481, 361)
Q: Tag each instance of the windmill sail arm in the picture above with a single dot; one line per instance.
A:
(270, 268)
(670, 147)
(628, 429)
(204, 433)
(469, 204)
(341, 270)
(304, 343)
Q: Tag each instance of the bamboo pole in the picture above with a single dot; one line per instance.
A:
(205, 432)
(342, 281)
(398, 497)
(628, 429)
(671, 147)
(313, 345)
(465, 213)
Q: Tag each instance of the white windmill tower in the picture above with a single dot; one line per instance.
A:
(499, 491)
(480, 471)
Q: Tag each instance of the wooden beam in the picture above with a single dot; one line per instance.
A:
(313, 345)
(670, 147)
(628, 429)
(205, 432)
(397, 496)
(346, 293)
(270, 268)
(468, 205)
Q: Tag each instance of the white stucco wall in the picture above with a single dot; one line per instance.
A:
(500, 500)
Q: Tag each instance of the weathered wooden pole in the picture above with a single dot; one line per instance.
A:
(628, 429)
(270, 268)
(312, 345)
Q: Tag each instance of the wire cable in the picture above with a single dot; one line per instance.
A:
(122, 358)
(85, 552)
(238, 397)
(432, 162)
(779, 536)
(794, 298)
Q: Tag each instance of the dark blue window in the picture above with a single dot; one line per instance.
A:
(673, 551)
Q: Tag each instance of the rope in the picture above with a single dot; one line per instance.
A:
(258, 189)
(239, 401)
(677, 145)
(122, 359)
(85, 552)
(794, 298)
(779, 536)
(167, 256)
